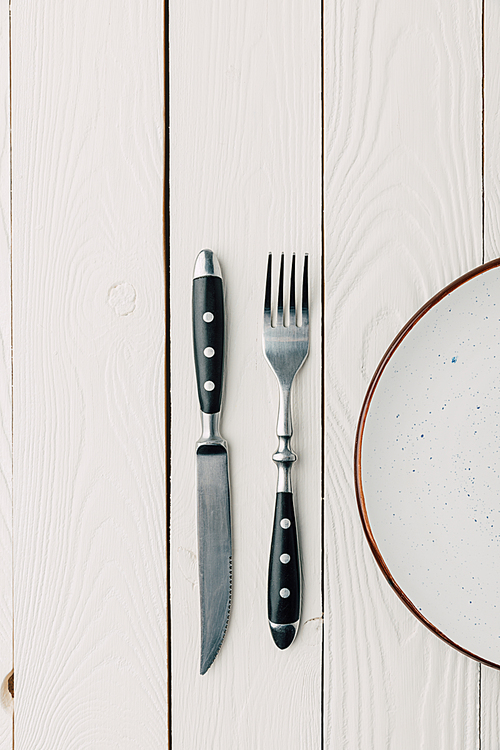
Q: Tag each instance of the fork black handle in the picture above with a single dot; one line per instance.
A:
(283, 600)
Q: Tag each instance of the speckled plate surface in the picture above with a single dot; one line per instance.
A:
(427, 464)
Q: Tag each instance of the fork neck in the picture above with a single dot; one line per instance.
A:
(284, 456)
(284, 425)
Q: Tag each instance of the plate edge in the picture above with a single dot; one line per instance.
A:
(358, 445)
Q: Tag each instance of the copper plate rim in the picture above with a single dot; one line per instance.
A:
(359, 445)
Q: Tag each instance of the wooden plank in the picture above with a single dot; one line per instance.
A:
(89, 340)
(490, 678)
(6, 655)
(245, 180)
(489, 702)
(403, 160)
(491, 132)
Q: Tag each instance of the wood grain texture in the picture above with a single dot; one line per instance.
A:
(402, 92)
(491, 131)
(489, 711)
(89, 340)
(245, 180)
(6, 655)
(490, 678)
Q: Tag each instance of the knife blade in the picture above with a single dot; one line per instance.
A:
(212, 475)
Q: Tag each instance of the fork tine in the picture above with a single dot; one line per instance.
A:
(305, 293)
(292, 293)
(267, 298)
(279, 317)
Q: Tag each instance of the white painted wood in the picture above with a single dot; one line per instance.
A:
(88, 313)
(489, 708)
(245, 179)
(490, 678)
(491, 131)
(402, 94)
(403, 217)
(6, 655)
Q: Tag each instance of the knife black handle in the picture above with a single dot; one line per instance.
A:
(283, 599)
(208, 340)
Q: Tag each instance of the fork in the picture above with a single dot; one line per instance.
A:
(285, 348)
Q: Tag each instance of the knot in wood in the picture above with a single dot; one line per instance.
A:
(121, 298)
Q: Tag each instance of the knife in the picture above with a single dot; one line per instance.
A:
(212, 478)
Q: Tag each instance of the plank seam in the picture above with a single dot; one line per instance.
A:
(482, 135)
(11, 356)
(323, 385)
(479, 730)
(168, 402)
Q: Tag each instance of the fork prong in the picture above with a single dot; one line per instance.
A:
(279, 317)
(305, 293)
(267, 298)
(292, 293)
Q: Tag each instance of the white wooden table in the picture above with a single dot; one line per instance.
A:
(364, 133)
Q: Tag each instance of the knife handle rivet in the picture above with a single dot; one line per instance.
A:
(285, 523)
(209, 385)
(285, 558)
(284, 593)
(209, 352)
(208, 317)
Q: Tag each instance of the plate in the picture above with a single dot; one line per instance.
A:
(427, 464)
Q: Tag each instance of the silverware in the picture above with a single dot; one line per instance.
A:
(214, 519)
(285, 348)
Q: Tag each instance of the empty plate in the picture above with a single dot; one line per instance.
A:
(427, 464)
